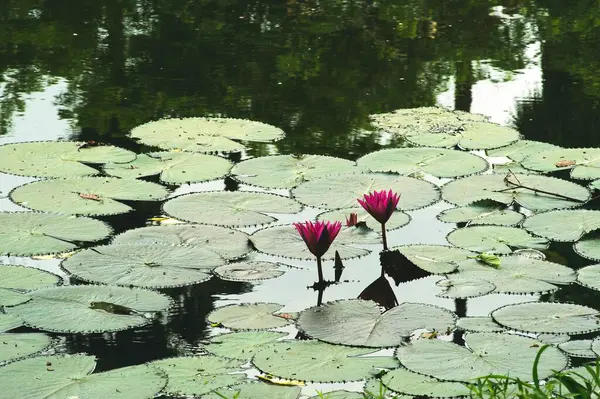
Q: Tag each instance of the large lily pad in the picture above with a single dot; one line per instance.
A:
(397, 220)
(482, 212)
(89, 308)
(583, 162)
(15, 281)
(415, 161)
(287, 171)
(469, 136)
(60, 377)
(14, 346)
(521, 149)
(33, 233)
(242, 345)
(318, 361)
(332, 321)
(58, 158)
(257, 390)
(142, 265)
(249, 271)
(248, 316)
(341, 191)
(285, 241)
(228, 243)
(227, 208)
(589, 276)
(542, 317)
(563, 225)
(405, 381)
(494, 239)
(86, 195)
(204, 134)
(174, 167)
(436, 259)
(504, 189)
(485, 354)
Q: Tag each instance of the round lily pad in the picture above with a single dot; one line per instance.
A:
(249, 271)
(89, 308)
(494, 239)
(482, 212)
(339, 395)
(15, 281)
(405, 381)
(469, 136)
(256, 390)
(563, 225)
(204, 134)
(555, 194)
(173, 167)
(583, 162)
(435, 259)
(248, 316)
(332, 321)
(341, 191)
(479, 324)
(552, 339)
(15, 346)
(589, 247)
(578, 348)
(456, 287)
(86, 195)
(521, 149)
(287, 171)
(34, 233)
(242, 345)
(589, 276)
(227, 208)
(397, 220)
(58, 158)
(437, 162)
(542, 317)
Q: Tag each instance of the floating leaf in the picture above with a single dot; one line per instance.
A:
(230, 208)
(494, 239)
(552, 339)
(257, 390)
(33, 233)
(142, 265)
(512, 167)
(204, 134)
(249, 271)
(504, 189)
(589, 276)
(285, 241)
(469, 136)
(332, 321)
(242, 345)
(584, 162)
(554, 318)
(485, 354)
(464, 288)
(14, 346)
(397, 220)
(86, 195)
(589, 247)
(479, 324)
(596, 346)
(436, 259)
(15, 281)
(89, 308)
(563, 225)
(405, 381)
(483, 212)
(229, 243)
(521, 149)
(248, 316)
(437, 162)
(339, 395)
(320, 362)
(9, 322)
(174, 167)
(578, 348)
(341, 191)
(58, 158)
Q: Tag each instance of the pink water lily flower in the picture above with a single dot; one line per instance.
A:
(318, 237)
(380, 204)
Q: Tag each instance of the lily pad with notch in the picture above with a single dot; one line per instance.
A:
(494, 239)
(17, 281)
(249, 271)
(404, 381)
(583, 162)
(521, 149)
(242, 345)
(563, 225)
(482, 212)
(248, 316)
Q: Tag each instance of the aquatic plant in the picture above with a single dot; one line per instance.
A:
(318, 237)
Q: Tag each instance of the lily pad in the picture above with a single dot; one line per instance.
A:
(436, 259)
(556, 193)
(437, 162)
(248, 316)
(589, 276)
(257, 390)
(512, 167)
(479, 324)
(339, 395)
(485, 354)
(521, 149)
(15, 346)
(482, 212)
(563, 225)
(578, 348)
(249, 271)
(341, 191)
(33, 233)
(89, 308)
(287, 171)
(583, 162)
(173, 167)
(242, 345)
(285, 241)
(332, 321)
(542, 317)
(230, 208)
(494, 239)
(319, 362)
(204, 134)
(552, 339)
(405, 381)
(589, 247)
(9, 322)
(58, 158)
(15, 281)
(86, 195)
(456, 287)
(229, 243)
(142, 265)
(469, 136)
(397, 220)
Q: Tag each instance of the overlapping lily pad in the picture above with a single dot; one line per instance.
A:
(16, 281)
(257, 390)
(521, 149)
(563, 225)
(86, 195)
(248, 316)
(340, 395)
(543, 192)
(33, 233)
(482, 212)
(589, 276)
(227, 208)
(89, 308)
(58, 158)
(584, 162)
(479, 324)
(397, 220)
(9, 322)
(495, 239)
(578, 348)
(287, 171)
(469, 136)
(173, 167)
(405, 381)
(456, 287)
(589, 246)
(249, 271)
(204, 134)
(435, 259)
(242, 345)
(15, 346)
(415, 161)
(341, 191)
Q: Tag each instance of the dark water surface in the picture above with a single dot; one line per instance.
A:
(93, 69)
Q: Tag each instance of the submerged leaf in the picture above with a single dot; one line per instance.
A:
(563, 225)
(248, 316)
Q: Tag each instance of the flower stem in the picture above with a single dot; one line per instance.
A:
(320, 269)
(385, 246)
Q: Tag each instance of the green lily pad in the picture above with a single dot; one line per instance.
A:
(405, 381)
(173, 167)
(339, 395)
(227, 208)
(15, 346)
(397, 220)
(257, 390)
(469, 136)
(58, 158)
(589, 276)
(242, 345)
(482, 212)
(589, 246)
(287, 171)
(341, 191)
(542, 317)
(578, 348)
(521, 149)
(248, 316)
(204, 134)
(33, 233)
(503, 189)
(370, 328)
(563, 225)
(595, 185)
(9, 322)
(479, 324)
(86, 195)
(456, 287)
(494, 239)
(89, 308)
(437, 162)
(485, 354)
(512, 167)
(319, 362)
(552, 339)
(15, 281)
(583, 162)
(435, 259)
(249, 271)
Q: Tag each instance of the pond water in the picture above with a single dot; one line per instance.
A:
(93, 70)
